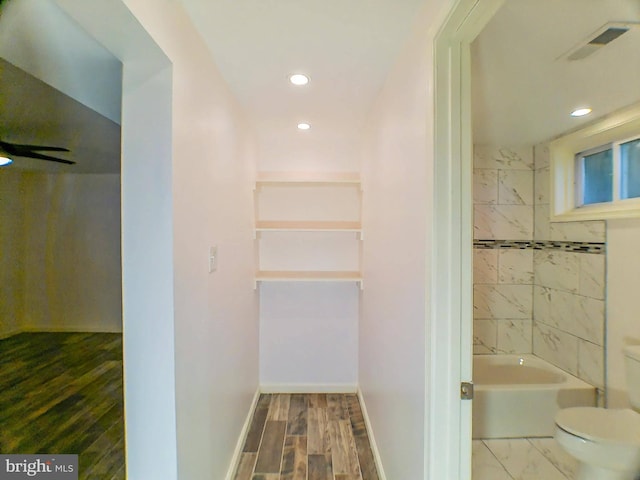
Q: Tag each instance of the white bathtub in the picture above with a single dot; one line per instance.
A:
(519, 395)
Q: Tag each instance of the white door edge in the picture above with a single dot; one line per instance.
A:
(451, 330)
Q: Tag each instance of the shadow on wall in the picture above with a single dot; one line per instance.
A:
(61, 252)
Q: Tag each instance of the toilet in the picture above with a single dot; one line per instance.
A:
(606, 442)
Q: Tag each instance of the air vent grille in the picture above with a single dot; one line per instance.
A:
(609, 35)
(598, 39)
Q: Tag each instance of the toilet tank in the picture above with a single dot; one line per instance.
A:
(632, 366)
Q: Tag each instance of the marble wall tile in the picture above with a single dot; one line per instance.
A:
(485, 266)
(543, 194)
(592, 276)
(541, 223)
(542, 156)
(503, 158)
(503, 222)
(514, 336)
(590, 365)
(578, 231)
(485, 186)
(515, 266)
(557, 269)
(589, 319)
(485, 336)
(552, 307)
(502, 301)
(515, 187)
(556, 347)
(580, 316)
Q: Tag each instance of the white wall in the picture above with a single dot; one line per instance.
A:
(72, 252)
(623, 303)
(308, 336)
(186, 186)
(147, 277)
(12, 253)
(309, 331)
(398, 174)
(216, 328)
(61, 254)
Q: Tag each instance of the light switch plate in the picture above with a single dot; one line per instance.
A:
(213, 258)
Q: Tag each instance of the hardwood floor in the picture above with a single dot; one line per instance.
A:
(62, 393)
(307, 437)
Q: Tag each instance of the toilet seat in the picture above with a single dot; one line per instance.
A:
(600, 425)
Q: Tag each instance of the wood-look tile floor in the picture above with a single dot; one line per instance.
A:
(62, 393)
(307, 437)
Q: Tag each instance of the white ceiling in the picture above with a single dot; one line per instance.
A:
(523, 89)
(58, 87)
(35, 113)
(347, 47)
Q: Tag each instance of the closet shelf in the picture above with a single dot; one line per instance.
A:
(309, 276)
(307, 178)
(307, 226)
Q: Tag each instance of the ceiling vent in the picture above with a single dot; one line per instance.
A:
(598, 39)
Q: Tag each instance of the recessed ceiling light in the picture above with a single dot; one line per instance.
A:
(581, 112)
(5, 161)
(298, 79)
(304, 126)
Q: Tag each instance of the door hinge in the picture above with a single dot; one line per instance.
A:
(466, 391)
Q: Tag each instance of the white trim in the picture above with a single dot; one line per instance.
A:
(449, 417)
(151, 441)
(308, 388)
(374, 446)
(237, 452)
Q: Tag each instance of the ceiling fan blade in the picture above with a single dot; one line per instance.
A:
(42, 149)
(40, 156)
(27, 148)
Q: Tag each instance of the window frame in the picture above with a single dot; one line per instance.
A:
(578, 162)
(635, 138)
(613, 130)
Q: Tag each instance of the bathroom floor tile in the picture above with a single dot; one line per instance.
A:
(556, 455)
(523, 461)
(485, 465)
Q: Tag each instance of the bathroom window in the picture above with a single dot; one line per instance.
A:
(594, 176)
(630, 169)
(595, 171)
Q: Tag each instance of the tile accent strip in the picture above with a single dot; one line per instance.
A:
(578, 247)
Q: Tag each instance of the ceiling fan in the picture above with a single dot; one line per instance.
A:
(31, 151)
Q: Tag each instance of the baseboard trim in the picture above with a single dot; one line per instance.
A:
(68, 329)
(308, 388)
(372, 439)
(72, 329)
(237, 452)
(9, 333)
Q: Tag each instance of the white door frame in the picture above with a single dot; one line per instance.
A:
(452, 283)
(147, 234)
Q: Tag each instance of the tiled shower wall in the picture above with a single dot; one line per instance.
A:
(503, 278)
(569, 288)
(538, 286)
